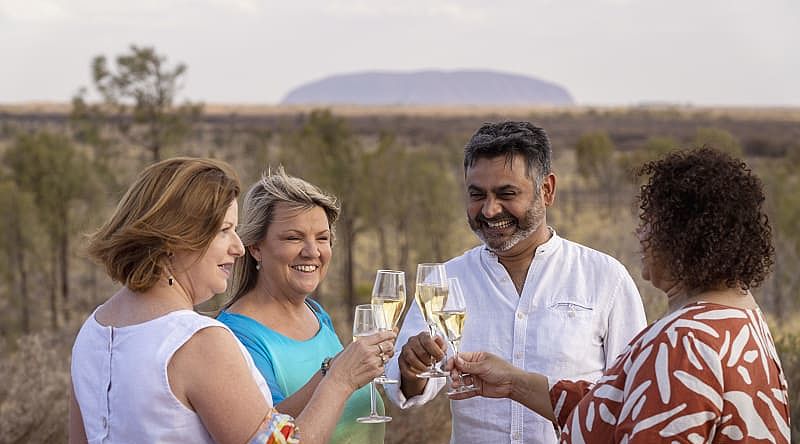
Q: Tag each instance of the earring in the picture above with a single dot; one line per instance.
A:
(170, 280)
(258, 266)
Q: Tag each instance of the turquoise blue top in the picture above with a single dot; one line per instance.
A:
(287, 365)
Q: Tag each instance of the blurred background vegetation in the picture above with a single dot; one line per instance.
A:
(397, 171)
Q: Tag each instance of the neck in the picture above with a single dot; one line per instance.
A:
(518, 259)
(521, 255)
(264, 295)
(733, 297)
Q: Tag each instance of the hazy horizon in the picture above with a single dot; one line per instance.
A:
(604, 52)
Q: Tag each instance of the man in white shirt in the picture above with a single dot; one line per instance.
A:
(542, 302)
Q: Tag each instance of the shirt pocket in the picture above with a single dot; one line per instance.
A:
(572, 310)
(565, 336)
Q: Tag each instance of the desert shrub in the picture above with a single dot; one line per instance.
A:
(788, 347)
(35, 394)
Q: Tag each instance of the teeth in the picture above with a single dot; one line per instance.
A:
(305, 268)
(500, 223)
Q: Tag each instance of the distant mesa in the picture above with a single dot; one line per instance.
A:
(430, 88)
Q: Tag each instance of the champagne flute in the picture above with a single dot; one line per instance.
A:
(389, 292)
(452, 319)
(367, 321)
(431, 296)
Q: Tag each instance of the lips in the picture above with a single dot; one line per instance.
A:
(226, 268)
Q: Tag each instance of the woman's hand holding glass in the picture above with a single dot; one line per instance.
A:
(360, 362)
(389, 292)
(370, 319)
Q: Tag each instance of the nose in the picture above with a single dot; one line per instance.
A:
(310, 249)
(237, 248)
(491, 208)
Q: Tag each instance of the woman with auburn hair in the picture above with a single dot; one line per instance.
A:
(145, 366)
(705, 372)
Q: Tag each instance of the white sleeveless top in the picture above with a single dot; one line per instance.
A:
(120, 379)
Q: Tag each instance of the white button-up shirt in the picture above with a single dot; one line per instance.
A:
(578, 310)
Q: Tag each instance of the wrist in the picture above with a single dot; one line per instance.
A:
(325, 366)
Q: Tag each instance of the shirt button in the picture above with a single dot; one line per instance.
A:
(516, 436)
(518, 355)
(104, 422)
(520, 315)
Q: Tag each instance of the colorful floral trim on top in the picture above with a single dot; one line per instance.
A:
(276, 428)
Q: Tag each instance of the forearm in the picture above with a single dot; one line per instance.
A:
(294, 404)
(532, 391)
(318, 419)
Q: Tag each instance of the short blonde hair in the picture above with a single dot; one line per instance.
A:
(258, 212)
(174, 205)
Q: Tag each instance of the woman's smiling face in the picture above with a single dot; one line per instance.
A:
(295, 251)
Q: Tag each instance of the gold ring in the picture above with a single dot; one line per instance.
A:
(380, 349)
(383, 359)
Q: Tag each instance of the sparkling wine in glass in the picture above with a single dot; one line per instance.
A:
(431, 296)
(368, 320)
(451, 321)
(389, 292)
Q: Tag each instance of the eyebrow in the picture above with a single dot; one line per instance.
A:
(499, 189)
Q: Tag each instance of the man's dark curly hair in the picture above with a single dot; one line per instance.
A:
(510, 138)
(702, 218)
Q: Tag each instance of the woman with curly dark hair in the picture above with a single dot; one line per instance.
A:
(708, 370)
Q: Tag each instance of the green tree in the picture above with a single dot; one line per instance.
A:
(654, 148)
(142, 91)
(594, 153)
(719, 139)
(16, 241)
(62, 184)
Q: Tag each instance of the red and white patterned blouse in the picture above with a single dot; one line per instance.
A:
(706, 373)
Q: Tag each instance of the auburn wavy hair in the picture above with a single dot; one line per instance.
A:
(176, 205)
(701, 215)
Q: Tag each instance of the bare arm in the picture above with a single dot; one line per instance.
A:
(496, 378)
(77, 434)
(294, 404)
(210, 376)
(353, 368)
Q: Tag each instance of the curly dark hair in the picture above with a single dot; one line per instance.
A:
(701, 215)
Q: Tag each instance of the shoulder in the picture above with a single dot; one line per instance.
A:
(469, 256)
(590, 255)
(320, 312)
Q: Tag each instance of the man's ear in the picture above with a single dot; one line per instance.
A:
(549, 189)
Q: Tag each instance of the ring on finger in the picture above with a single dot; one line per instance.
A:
(383, 359)
(380, 349)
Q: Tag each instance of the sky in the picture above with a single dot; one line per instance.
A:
(604, 52)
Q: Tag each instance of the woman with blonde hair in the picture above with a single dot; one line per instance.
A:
(288, 231)
(145, 366)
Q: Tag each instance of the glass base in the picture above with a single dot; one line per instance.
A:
(385, 380)
(373, 419)
(462, 389)
(435, 373)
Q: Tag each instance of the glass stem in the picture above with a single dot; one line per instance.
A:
(373, 410)
(432, 330)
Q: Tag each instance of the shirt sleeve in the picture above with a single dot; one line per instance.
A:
(565, 396)
(626, 318)
(413, 324)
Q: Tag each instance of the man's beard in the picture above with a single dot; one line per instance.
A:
(532, 221)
